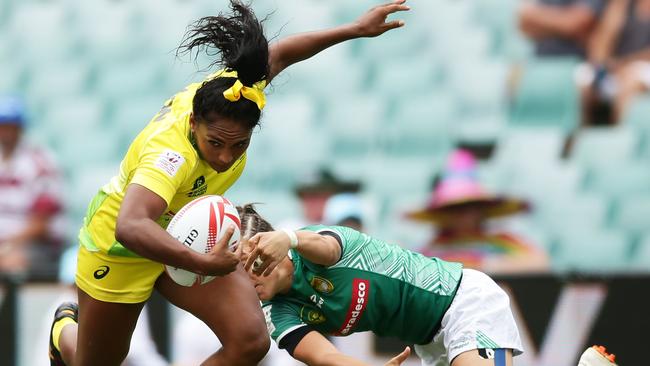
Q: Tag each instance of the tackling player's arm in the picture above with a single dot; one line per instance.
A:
(271, 247)
(315, 350)
(137, 230)
(302, 46)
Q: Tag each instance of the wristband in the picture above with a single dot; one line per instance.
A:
(292, 237)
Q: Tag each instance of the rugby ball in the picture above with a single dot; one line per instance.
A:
(199, 225)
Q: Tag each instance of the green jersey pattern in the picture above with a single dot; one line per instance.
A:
(375, 286)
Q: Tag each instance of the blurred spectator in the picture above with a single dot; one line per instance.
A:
(619, 60)
(313, 192)
(460, 208)
(344, 209)
(143, 350)
(30, 198)
(559, 27)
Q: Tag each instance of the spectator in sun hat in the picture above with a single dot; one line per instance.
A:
(30, 198)
(460, 209)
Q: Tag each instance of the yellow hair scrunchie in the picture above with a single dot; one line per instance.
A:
(253, 93)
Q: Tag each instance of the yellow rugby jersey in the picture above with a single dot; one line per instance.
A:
(162, 159)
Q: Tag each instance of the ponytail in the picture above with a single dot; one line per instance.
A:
(238, 42)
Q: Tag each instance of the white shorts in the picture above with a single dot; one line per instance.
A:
(478, 317)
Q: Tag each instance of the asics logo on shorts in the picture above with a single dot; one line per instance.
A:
(101, 272)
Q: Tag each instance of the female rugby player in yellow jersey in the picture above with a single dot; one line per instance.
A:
(196, 145)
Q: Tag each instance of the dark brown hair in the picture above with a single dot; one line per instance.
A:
(251, 221)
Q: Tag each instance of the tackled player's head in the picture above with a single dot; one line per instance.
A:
(221, 127)
(279, 281)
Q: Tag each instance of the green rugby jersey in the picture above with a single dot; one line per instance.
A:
(375, 286)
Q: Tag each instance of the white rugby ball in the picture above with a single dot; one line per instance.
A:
(199, 225)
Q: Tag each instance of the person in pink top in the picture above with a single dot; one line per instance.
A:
(30, 198)
(460, 209)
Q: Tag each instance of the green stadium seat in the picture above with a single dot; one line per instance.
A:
(50, 40)
(625, 179)
(126, 80)
(520, 146)
(562, 214)
(641, 256)
(390, 176)
(290, 134)
(58, 80)
(331, 73)
(637, 114)
(110, 30)
(405, 78)
(81, 147)
(480, 86)
(633, 214)
(354, 122)
(70, 113)
(604, 146)
(12, 80)
(546, 95)
(85, 183)
(592, 251)
(421, 125)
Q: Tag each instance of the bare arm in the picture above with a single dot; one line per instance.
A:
(539, 21)
(137, 230)
(316, 350)
(272, 247)
(302, 46)
(601, 45)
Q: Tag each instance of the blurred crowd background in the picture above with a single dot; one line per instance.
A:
(511, 135)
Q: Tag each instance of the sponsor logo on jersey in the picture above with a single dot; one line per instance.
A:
(199, 187)
(360, 295)
(101, 272)
(169, 161)
(321, 285)
(315, 317)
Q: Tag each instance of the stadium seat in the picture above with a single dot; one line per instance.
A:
(421, 125)
(519, 146)
(546, 95)
(619, 179)
(592, 251)
(480, 86)
(637, 113)
(633, 214)
(404, 79)
(109, 29)
(563, 214)
(641, 256)
(58, 80)
(354, 123)
(604, 145)
(11, 81)
(85, 183)
(333, 74)
(51, 40)
(125, 80)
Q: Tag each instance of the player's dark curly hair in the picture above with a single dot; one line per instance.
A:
(251, 221)
(238, 38)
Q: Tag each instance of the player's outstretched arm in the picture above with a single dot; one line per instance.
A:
(316, 350)
(271, 248)
(296, 48)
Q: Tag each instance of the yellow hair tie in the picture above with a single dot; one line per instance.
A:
(253, 93)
